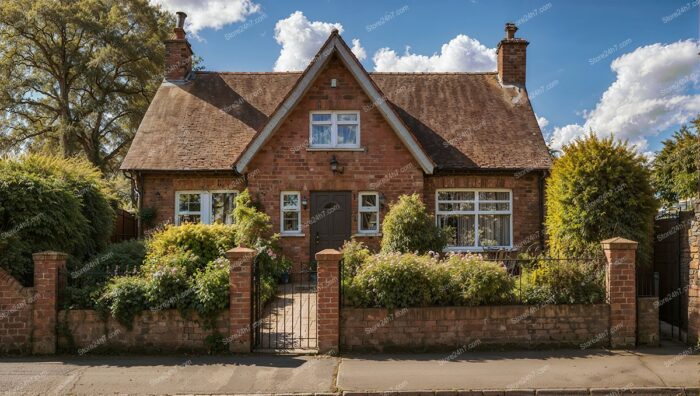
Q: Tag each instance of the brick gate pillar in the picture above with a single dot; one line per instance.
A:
(328, 300)
(240, 299)
(45, 308)
(621, 289)
(694, 279)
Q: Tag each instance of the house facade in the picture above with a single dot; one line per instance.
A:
(325, 151)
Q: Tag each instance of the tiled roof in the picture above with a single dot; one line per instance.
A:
(463, 121)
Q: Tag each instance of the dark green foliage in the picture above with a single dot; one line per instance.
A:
(354, 255)
(598, 189)
(675, 168)
(408, 228)
(211, 288)
(48, 203)
(563, 282)
(252, 224)
(474, 281)
(124, 297)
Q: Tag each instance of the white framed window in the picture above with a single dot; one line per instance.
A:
(368, 212)
(208, 207)
(477, 218)
(290, 212)
(334, 129)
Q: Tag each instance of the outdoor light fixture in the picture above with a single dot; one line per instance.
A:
(158, 194)
(335, 166)
(304, 202)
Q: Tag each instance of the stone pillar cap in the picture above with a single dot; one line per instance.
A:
(328, 254)
(619, 243)
(50, 253)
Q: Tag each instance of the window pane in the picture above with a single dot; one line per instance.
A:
(368, 200)
(368, 221)
(494, 230)
(222, 205)
(453, 207)
(347, 117)
(494, 206)
(182, 219)
(461, 229)
(456, 195)
(291, 201)
(347, 134)
(321, 117)
(290, 221)
(494, 195)
(190, 203)
(321, 134)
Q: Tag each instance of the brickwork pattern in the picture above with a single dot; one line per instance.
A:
(46, 267)
(621, 290)
(694, 279)
(240, 303)
(512, 55)
(420, 329)
(328, 300)
(85, 331)
(16, 317)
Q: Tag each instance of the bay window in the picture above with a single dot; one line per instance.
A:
(476, 219)
(208, 207)
(334, 129)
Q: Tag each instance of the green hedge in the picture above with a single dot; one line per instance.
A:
(50, 203)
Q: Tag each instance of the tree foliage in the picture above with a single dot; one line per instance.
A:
(77, 76)
(598, 189)
(675, 168)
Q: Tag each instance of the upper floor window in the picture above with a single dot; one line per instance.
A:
(335, 129)
(208, 207)
(476, 219)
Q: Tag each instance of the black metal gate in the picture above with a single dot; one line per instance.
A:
(284, 311)
(669, 231)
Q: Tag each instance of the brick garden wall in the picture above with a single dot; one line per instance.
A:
(694, 278)
(84, 331)
(375, 329)
(16, 307)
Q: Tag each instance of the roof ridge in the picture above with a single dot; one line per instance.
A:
(245, 73)
(434, 73)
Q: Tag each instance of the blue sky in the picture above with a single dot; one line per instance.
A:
(572, 47)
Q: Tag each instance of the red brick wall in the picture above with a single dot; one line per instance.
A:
(16, 304)
(162, 331)
(512, 55)
(372, 329)
(694, 279)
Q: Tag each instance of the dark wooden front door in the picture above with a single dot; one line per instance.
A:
(330, 219)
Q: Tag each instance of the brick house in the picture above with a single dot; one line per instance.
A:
(324, 151)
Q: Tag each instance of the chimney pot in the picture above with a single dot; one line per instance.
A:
(510, 30)
(181, 19)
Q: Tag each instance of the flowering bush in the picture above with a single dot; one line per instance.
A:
(211, 288)
(124, 297)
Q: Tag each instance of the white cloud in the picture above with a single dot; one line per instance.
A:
(462, 53)
(542, 121)
(202, 14)
(301, 39)
(650, 95)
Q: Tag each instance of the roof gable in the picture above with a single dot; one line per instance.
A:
(335, 44)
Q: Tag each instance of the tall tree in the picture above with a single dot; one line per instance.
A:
(76, 76)
(675, 168)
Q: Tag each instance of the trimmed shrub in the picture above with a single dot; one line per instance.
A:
(49, 203)
(563, 282)
(394, 280)
(354, 255)
(211, 289)
(124, 297)
(408, 228)
(598, 189)
(252, 224)
(474, 281)
(205, 242)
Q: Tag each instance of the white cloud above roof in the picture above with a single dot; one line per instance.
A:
(655, 89)
(215, 14)
(461, 54)
(301, 39)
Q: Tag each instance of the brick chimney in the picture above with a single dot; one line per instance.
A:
(178, 52)
(511, 53)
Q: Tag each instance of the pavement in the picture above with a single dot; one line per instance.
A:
(556, 372)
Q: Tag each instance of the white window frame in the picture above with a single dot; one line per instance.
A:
(476, 212)
(296, 209)
(334, 129)
(205, 202)
(361, 210)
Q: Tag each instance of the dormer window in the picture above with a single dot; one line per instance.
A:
(334, 129)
